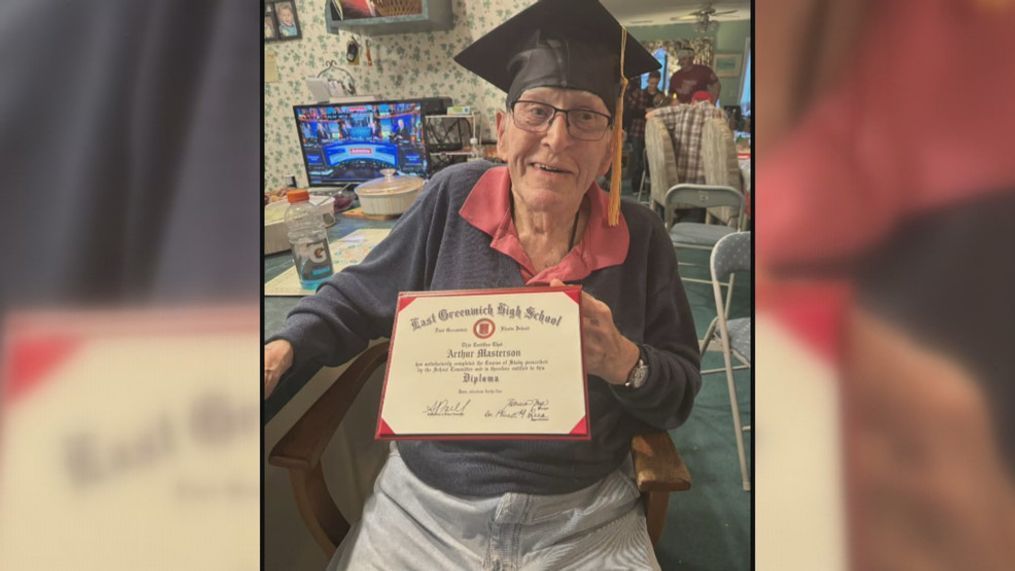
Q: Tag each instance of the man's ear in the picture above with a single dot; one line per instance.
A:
(501, 127)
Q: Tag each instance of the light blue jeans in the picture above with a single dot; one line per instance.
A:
(407, 525)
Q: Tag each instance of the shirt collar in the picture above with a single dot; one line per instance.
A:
(488, 208)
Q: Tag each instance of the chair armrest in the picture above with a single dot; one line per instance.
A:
(658, 466)
(302, 446)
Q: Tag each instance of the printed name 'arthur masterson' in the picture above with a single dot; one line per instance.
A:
(463, 354)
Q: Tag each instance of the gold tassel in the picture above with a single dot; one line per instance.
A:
(613, 213)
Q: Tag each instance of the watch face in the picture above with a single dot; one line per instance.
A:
(638, 375)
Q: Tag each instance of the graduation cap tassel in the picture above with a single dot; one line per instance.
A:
(613, 213)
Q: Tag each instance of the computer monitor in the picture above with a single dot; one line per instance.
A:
(347, 143)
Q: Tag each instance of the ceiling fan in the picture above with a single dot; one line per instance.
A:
(703, 17)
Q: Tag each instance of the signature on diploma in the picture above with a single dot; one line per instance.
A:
(444, 407)
(532, 409)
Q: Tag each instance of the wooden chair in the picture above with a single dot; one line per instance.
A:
(659, 469)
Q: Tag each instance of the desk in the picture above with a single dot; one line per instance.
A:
(352, 459)
(276, 308)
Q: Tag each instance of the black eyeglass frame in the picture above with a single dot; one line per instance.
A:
(567, 119)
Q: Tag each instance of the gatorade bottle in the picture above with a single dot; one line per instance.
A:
(309, 238)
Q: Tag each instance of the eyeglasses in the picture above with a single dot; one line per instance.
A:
(582, 124)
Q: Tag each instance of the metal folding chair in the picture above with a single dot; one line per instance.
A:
(731, 254)
(697, 235)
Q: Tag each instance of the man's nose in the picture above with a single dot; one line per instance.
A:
(557, 133)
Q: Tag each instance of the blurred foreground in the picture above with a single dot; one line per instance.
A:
(130, 440)
(129, 281)
(885, 197)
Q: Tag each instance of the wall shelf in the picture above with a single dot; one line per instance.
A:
(436, 15)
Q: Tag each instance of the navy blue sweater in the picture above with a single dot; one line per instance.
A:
(433, 248)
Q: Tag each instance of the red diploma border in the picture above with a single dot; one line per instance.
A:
(579, 432)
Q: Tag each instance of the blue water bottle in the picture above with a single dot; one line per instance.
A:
(309, 238)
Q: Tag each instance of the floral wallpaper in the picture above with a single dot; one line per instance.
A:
(404, 66)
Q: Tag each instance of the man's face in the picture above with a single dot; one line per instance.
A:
(653, 83)
(685, 58)
(551, 171)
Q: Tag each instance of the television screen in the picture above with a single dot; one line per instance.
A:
(353, 142)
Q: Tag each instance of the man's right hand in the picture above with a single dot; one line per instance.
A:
(278, 357)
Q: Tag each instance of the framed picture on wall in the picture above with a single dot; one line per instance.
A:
(727, 65)
(281, 22)
(270, 28)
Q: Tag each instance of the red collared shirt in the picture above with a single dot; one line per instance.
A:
(488, 208)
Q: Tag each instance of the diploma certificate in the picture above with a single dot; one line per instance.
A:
(486, 364)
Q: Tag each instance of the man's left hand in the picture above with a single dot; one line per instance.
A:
(608, 354)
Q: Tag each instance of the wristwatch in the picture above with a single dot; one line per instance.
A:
(639, 373)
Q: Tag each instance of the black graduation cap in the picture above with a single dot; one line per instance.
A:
(573, 44)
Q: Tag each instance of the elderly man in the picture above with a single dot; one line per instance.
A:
(541, 219)
(692, 77)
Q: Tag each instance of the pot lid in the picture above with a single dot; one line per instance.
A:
(390, 183)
